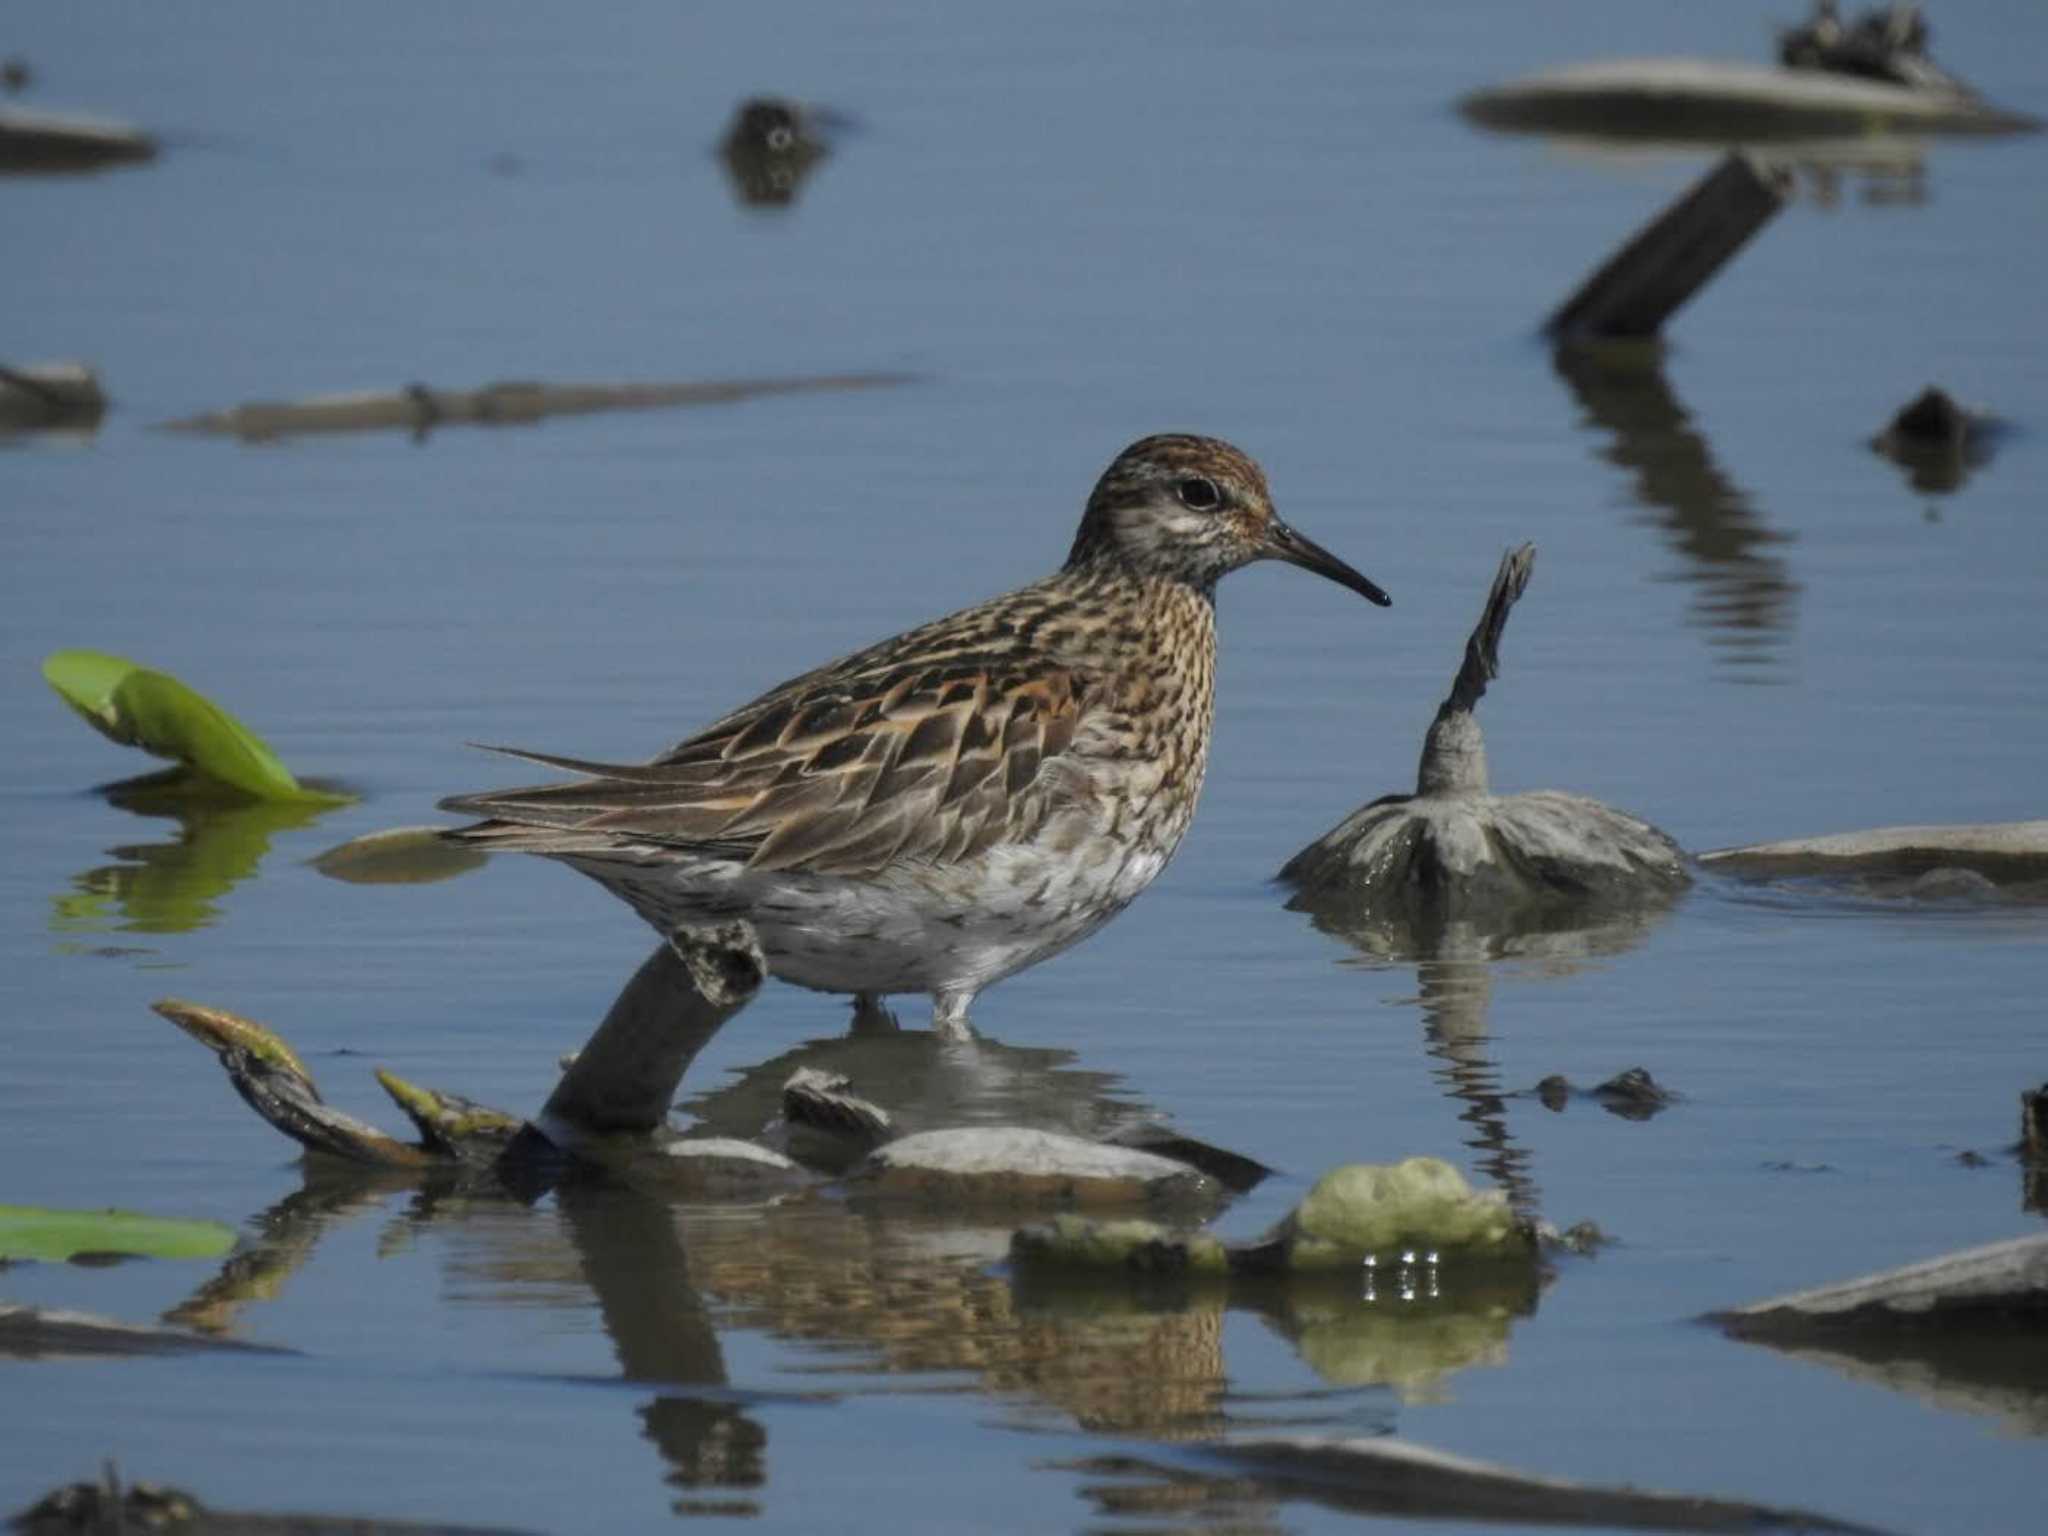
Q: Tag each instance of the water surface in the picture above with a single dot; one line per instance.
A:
(1075, 226)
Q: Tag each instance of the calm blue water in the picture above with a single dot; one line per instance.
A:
(1075, 226)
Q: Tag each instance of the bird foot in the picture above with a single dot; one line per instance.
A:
(872, 1016)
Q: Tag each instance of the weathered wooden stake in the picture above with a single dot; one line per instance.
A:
(625, 1078)
(1645, 282)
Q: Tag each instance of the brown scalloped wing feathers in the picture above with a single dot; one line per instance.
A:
(833, 775)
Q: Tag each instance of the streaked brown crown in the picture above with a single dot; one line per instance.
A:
(1187, 508)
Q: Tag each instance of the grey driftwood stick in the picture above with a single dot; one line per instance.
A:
(626, 1077)
(420, 409)
(1644, 283)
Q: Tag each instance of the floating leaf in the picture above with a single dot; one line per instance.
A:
(399, 856)
(139, 707)
(55, 1237)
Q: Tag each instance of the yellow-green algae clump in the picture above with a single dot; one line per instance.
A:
(1390, 1212)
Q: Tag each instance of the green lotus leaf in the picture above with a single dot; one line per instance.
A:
(55, 1237)
(139, 707)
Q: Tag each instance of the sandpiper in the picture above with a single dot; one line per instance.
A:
(947, 807)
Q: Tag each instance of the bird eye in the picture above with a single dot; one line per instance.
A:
(1198, 493)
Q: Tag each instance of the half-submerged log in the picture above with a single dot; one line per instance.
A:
(419, 409)
(1670, 259)
(1454, 849)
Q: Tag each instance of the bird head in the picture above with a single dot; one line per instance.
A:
(1193, 509)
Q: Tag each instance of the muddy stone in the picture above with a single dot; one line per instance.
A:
(1998, 1286)
(1016, 1165)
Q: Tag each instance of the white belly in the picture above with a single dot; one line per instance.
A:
(913, 928)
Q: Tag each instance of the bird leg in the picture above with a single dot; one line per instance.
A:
(871, 1016)
(949, 1015)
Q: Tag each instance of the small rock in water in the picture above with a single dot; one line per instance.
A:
(1937, 441)
(1999, 1286)
(2005, 861)
(718, 1166)
(770, 147)
(1015, 1165)
(820, 1101)
(1634, 1094)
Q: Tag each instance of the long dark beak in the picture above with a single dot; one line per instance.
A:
(1283, 543)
